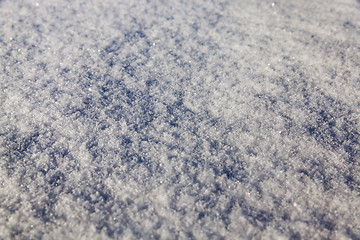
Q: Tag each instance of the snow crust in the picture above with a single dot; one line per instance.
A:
(179, 119)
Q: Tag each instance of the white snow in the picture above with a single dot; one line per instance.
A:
(179, 120)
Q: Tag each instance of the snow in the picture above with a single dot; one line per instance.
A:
(179, 120)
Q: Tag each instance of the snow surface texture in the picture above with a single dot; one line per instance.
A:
(179, 119)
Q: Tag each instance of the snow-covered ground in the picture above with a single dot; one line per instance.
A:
(179, 119)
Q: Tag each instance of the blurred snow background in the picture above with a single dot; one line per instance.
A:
(179, 119)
